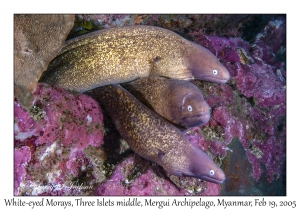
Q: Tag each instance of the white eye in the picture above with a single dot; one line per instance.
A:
(212, 172)
(215, 72)
(190, 108)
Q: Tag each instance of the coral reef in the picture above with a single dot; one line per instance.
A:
(248, 120)
(56, 142)
(22, 156)
(258, 92)
(37, 40)
(236, 25)
(136, 176)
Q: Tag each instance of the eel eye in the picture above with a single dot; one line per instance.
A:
(211, 172)
(215, 72)
(190, 108)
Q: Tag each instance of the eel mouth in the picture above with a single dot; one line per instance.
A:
(214, 79)
(196, 120)
(211, 179)
(206, 178)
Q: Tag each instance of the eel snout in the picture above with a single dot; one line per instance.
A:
(205, 66)
(203, 167)
(193, 121)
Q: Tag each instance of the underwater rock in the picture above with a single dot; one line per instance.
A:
(57, 143)
(37, 39)
(240, 180)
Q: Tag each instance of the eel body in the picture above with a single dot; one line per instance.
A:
(123, 54)
(178, 101)
(152, 137)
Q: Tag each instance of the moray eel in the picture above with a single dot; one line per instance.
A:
(178, 101)
(153, 138)
(122, 54)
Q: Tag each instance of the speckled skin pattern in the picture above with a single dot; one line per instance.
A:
(178, 101)
(153, 138)
(126, 53)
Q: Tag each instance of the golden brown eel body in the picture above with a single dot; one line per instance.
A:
(154, 138)
(126, 53)
(178, 101)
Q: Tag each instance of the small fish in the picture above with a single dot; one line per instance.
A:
(153, 138)
(178, 101)
(123, 54)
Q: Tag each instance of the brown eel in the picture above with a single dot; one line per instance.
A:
(154, 138)
(178, 101)
(123, 54)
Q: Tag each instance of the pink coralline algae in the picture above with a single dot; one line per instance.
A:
(54, 142)
(252, 105)
(127, 179)
(22, 156)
